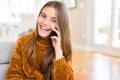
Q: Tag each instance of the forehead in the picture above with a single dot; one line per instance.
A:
(50, 11)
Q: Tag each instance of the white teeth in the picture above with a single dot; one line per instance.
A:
(44, 28)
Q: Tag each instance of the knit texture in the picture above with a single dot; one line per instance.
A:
(19, 69)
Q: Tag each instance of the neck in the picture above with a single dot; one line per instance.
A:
(44, 40)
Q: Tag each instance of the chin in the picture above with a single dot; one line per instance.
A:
(43, 35)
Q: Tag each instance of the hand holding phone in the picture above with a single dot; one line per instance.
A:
(53, 33)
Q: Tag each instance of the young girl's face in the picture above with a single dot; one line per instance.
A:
(47, 21)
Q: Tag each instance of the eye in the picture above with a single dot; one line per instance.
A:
(43, 16)
(54, 21)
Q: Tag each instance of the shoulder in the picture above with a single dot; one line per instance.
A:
(24, 38)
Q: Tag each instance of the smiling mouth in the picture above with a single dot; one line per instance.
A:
(44, 28)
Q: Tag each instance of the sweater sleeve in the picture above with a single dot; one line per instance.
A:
(14, 71)
(62, 70)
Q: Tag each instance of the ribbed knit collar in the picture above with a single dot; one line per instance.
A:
(44, 41)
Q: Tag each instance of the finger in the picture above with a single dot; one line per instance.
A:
(54, 38)
(57, 28)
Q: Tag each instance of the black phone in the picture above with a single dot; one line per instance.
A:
(53, 33)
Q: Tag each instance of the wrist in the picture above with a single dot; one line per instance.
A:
(58, 54)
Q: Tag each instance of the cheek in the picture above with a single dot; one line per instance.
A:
(39, 20)
(52, 26)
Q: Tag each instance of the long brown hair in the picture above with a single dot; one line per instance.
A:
(63, 23)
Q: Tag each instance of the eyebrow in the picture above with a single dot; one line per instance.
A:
(42, 13)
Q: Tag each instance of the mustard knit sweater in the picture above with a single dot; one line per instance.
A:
(19, 69)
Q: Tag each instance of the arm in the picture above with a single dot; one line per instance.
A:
(14, 71)
(62, 70)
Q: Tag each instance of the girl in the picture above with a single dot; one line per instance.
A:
(40, 56)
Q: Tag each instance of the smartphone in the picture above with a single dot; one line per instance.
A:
(53, 33)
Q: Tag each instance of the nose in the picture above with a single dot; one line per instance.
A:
(46, 21)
